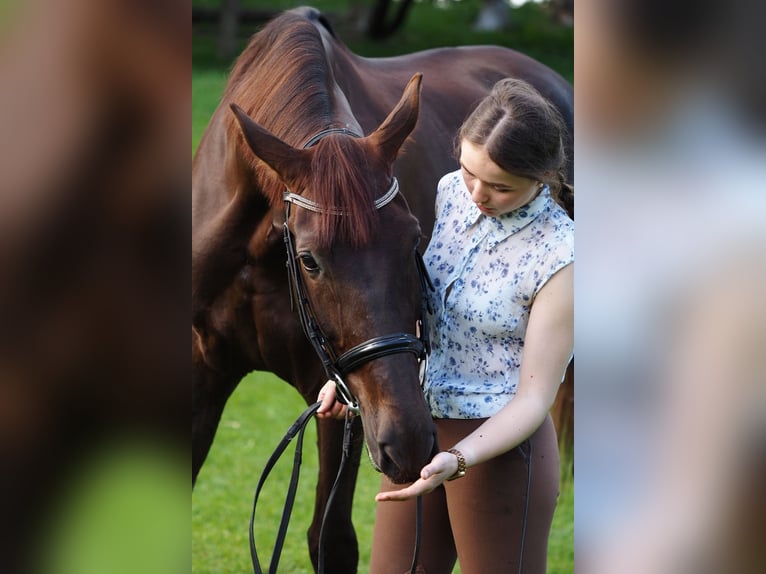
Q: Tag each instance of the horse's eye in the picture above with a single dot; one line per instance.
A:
(309, 263)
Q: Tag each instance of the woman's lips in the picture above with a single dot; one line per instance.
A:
(485, 210)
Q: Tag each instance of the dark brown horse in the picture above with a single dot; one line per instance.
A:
(295, 81)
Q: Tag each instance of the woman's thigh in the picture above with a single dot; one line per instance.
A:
(394, 535)
(501, 511)
(498, 516)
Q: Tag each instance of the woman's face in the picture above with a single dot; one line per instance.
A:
(493, 190)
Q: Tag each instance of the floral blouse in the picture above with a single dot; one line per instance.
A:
(492, 268)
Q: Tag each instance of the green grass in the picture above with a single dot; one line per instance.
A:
(256, 418)
(262, 408)
(207, 87)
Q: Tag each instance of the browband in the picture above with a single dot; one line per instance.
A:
(301, 201)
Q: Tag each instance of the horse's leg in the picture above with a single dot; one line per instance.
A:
(210, 391)
(341, 549)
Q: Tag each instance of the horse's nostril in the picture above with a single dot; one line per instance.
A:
(391, 465)
(386, 461)
(397, 470)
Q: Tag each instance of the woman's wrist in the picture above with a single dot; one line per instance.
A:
(461, 467)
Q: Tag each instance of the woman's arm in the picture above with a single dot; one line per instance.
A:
(548, 345)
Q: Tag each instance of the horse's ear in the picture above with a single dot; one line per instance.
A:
(288, 162)
(395, 129)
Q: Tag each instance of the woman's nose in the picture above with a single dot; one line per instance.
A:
(479, 192)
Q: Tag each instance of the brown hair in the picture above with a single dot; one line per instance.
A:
(523, 133)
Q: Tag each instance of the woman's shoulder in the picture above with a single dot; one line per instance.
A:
(449, 181)
(556, 219)
(557, 250)
(447, 192)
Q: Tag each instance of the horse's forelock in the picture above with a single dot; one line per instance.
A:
(341, 179)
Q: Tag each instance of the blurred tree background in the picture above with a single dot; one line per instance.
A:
(540, 29)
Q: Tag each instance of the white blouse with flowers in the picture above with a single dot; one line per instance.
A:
(486, 271)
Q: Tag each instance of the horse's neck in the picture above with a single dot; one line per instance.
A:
(343, 114)
(210, 171)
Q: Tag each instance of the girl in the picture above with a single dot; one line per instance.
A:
(501, 259)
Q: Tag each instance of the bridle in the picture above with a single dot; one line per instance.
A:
(336, 368)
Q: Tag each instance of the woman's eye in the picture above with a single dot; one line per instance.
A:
(309, 263)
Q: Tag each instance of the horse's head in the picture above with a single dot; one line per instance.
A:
(354, 242)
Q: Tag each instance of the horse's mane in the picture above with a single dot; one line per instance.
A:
(284, 82)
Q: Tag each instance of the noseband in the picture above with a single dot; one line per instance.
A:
(337, 367)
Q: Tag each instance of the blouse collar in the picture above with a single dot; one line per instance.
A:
(509, 223)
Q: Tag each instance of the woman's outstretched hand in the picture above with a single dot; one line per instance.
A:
(331, 408)
(441, 467)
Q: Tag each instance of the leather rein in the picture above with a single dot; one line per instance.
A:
(336, 368)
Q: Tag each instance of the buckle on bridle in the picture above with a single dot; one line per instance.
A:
(345, 395)
(422, 369)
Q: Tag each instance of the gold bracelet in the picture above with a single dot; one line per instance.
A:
(460, 472)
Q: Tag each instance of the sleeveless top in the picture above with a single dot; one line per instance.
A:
(495, 266)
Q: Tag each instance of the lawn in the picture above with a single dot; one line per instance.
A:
(263, 407)
(256, 418)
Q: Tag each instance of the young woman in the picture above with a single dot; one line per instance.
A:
(501, 258)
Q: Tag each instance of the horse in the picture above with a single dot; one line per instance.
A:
(337, 156)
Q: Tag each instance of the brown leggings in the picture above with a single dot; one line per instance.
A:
(494, 519)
